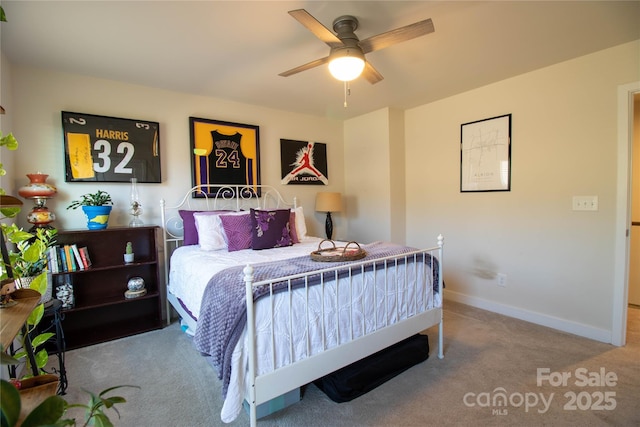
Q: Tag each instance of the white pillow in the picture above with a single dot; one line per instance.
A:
(301, 226)
(210, 232)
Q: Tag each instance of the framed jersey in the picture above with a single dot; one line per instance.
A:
(224, 153)
(110, 149)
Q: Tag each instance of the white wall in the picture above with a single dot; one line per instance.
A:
(368, 177)
(398, 208)
(559, 263)
(6, 156)
(40, 96)
(375, 176)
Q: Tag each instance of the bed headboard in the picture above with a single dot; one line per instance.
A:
(219, 197)
(214, 197)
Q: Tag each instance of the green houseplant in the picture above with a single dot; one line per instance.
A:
(27, 264)
(51, 411)
(30, 256)
(96, 206)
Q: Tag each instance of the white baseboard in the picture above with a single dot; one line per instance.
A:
(560, 324)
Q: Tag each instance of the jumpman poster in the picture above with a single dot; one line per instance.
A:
(303, 162)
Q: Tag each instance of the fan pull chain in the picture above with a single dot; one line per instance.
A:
(347, 92)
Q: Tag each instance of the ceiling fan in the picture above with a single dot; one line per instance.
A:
(345, 45)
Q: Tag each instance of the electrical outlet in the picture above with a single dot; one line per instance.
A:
(502, 280)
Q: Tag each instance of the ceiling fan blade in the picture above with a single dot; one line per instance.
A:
(398, 35)
(371, 74)
(305, 67)
(313, 25)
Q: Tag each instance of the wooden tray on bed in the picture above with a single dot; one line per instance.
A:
(350, 252)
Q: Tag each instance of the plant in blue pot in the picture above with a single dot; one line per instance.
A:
(96, 206)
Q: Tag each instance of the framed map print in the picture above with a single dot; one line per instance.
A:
(485, 155)
(110, 149)
(224, 153)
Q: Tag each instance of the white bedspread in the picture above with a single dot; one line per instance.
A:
(191, 269)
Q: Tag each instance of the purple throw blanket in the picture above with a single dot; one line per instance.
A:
(223, 307)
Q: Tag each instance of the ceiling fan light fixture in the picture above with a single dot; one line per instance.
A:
(346, 63)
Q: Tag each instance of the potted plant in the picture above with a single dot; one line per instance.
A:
(19, 408)
(96, 206)
(128, 253)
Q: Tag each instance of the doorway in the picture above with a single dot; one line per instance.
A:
(626, 95)
(633, 310)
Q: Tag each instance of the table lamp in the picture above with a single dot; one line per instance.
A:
(328, 202)
(39, 190)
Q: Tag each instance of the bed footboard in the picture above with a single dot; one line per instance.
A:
(406, 299)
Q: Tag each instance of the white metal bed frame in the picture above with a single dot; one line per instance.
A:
(263, 388)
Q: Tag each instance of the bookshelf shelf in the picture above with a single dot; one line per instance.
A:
(107, 267)
(113, 301)
(101, 311)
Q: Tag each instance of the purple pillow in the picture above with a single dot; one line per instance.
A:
(190, 232)
(270, 229)
(237, 228)
(292, 228)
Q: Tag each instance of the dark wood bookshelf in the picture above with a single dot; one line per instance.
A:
(101, 311)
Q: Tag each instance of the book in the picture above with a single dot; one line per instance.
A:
(63, 260)
(78, 258)
(53, 259)
(54, 250)
(84, 254)
(56, 257)
(49, 264)
(69, 258)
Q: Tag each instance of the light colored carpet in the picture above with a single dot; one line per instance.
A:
(485, 354)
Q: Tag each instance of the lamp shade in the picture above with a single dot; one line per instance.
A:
(328, 202)
(346, 63)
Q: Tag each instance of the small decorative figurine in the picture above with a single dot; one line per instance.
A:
(128, 253)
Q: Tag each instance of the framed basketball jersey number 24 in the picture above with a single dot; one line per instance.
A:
(224, 153)
(110, 149)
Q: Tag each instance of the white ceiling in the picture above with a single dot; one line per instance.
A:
(235, 49)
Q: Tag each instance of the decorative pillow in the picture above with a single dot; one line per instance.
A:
(237, 229)
(210, 231)
(301, 227)
(292, 228)
(190, 232)
(270, 229)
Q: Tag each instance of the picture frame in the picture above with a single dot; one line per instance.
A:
(224, 153)
(110, 149)
(485, 155)
(303, 163)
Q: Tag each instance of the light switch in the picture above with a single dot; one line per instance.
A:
(585, 203)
